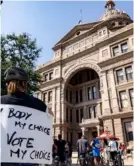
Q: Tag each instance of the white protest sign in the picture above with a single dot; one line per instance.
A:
(26, 135)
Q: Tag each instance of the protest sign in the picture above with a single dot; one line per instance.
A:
(26, 135)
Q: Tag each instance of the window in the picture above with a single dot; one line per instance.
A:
(70, 96)
(50, 96)
(119, 74)
(51, 76)
(116, 50)
(89, 94)
(66, 114)
(123, 99)
(90, 112)
(81, 96)
(76, 96)
(129, 131)
(124, 47)
(131, 94)
(95, 111)
(129, 73)
(70, 115)
(45, 97)
(46, 77)
(94, 92)
(81, 114)
(104, 31)
(100, 33)
(77, 116)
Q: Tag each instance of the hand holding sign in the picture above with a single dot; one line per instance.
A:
(26, 135)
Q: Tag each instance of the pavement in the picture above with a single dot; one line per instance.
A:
(127, 162)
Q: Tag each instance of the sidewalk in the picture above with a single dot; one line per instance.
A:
(129, 162)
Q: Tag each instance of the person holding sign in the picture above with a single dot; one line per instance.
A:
(17, 83)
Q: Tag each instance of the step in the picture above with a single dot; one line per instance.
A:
(75, 155)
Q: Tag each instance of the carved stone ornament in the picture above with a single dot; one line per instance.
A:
(74, 68)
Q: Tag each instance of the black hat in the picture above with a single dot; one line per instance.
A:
(15, 73)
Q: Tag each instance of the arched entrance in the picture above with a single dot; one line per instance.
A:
(82, 103)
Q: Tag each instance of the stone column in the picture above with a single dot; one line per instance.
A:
(115, 105)
(85, 113)
(97, 90)
(118, 129)
(58, 106)
(104, 94)
(98, 110)
(83, 131)
(108, 125)
(53, 101)
(84, 94)
(98, 129)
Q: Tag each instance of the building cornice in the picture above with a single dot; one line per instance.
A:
(123, 114)
(73, 31)
(124, 32)
(92, 30)
(49, 83)
(114, 60)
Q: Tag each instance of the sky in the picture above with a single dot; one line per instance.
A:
(49, 21)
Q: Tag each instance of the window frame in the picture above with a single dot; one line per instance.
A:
(77, 117)
(121, 47)
(124, 72)
(51, 76)
(89, 99)
(50, 100)
(45, 93)
(114, 55)
(119, 76)
(93, 96)
(89, 112)
(124, 99)
(128, 73)
(81, 95)
(118, 44)
(46, 75)
(131, 98)
(126, 135)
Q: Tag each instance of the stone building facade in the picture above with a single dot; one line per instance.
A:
(89, 82)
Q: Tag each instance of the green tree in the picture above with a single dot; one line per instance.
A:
(20, 51)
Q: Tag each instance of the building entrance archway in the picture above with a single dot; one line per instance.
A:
(82, 100)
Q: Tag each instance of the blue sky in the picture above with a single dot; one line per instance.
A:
(49, 21)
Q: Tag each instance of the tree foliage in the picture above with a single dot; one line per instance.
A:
(20, 51)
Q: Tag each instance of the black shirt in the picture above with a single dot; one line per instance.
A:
(22, 99)
(61, 146)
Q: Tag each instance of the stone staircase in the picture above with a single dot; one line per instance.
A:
(74, 157)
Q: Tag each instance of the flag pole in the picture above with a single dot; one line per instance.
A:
(81, 15)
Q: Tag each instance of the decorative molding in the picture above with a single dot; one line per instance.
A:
(74, 69)
(116, 61)
(123, 114)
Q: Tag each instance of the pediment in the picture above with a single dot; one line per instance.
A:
(76, 31)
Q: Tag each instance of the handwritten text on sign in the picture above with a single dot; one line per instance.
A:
(26, 135)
